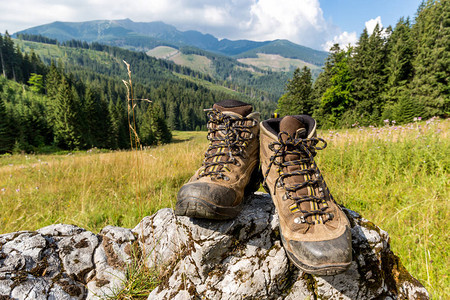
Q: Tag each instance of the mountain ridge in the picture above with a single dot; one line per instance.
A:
(148, 35)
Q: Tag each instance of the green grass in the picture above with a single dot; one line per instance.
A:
(397, 177)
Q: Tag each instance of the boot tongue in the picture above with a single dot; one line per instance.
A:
(234, 106)
(293, 127)
(296, 130)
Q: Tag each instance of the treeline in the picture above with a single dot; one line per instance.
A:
(37, 38)
(392, 74)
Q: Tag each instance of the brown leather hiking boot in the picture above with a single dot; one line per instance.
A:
(231, 165)
(314, 230)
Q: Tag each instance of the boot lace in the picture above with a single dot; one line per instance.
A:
(228, 136)
(306, 150)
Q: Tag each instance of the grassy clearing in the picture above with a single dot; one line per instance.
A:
(396, 176)
(276, 62)
(162, 52)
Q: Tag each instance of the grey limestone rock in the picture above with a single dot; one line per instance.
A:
(244, 259)
(241, 258)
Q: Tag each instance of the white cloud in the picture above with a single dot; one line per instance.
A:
(300, 21)
(370, 25)
(344, 40)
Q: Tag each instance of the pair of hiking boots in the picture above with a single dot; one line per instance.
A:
(314, 231)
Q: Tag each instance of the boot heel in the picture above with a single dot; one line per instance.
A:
(254, 183)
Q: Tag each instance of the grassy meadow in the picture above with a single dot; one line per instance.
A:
(395, 176)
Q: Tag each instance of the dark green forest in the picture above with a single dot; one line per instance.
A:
(391, 76)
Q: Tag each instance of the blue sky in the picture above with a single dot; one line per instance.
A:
(351, 15)
(313, 23)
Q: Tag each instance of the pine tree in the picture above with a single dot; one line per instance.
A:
(430, 86)
(406, 109)
(90, 115)
(121, 117)
(6, 138)
(338, 99)
(399, 70)
(36, 83)
(172, 119)
(52, 81)
(146, 133)
(368, 65)
(159, 125)
(298, 99)
(66, 116)
(2, 59)
(8, 57)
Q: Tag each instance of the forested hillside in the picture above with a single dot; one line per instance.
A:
(391, 76)
(80, 100)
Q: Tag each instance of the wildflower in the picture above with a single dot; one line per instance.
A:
(419, 118)
(393, 122)
(415, 119)
(3, 189)
(17, 190)
(386, 121)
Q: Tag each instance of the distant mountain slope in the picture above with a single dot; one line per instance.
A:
(288, 49)
(148, 35)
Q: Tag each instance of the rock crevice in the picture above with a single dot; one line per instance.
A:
(241, 258)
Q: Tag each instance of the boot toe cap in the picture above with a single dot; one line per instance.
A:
(207, 200)
(327, 257)
(211, 193)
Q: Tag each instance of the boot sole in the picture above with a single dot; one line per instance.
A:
(326, 270)
(322, 271)
(199, 208)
